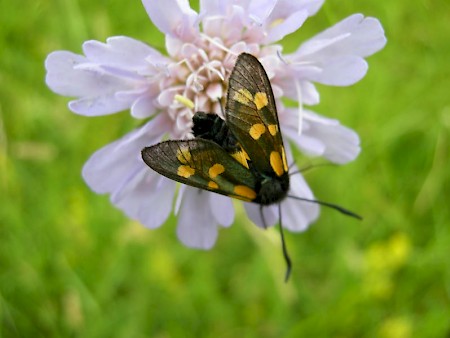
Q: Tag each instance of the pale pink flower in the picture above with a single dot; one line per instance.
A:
(124, 73)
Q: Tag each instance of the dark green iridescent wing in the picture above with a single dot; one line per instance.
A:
(202, 164)
(252, 116)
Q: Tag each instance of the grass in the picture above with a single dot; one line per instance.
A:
(72, 265)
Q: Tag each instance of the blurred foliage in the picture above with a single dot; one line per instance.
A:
(73, 265)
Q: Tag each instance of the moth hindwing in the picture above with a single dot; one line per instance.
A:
(202, 164)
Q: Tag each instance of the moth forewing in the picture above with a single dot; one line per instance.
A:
(252, 116)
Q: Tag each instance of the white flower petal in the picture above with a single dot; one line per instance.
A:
(196, 228)
(311, 117)
(109, 168)
(341, 71)
(172, 17)
(143, 100)
(254, 213)
(98, 105)
(362, 37)
(222, 209)
(309, 93)
(118, 169)
(223, 20)
(289, 155)
(260, 10)
(213, 26)
(123, 52)
(342, 144)
(297, 215)
(70, 74)
(64, 79)
(166, 96)
(281, 17)
(286, 7)
(214, 91)
(173, 45)
(287, 26)
(281, 9)
(143, 107)
(213, 7)
(176, 208)
(321, 136)
(335, 57)
(147, 197)
(309, 145)
(132, 94)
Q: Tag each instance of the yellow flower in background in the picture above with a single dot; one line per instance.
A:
(382, 260)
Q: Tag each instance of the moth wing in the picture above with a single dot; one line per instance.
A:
(252, 116)
(202, 164)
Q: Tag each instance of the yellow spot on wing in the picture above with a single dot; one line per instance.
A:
(243, 96)
(183, 155)
(240, 156)
(276, 163)
(185, 171)
(273, 129)
(283, 155)
(257, 130)
(213, 185)
(260, 100)
(245, 192)
(216, 170)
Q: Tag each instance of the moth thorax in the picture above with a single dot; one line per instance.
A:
(273, 189)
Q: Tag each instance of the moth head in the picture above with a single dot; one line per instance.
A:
(273, 189)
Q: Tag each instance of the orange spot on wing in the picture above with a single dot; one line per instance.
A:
(241, 157)
(185, 171)
(257, 130)
(184, 155)
(213, 185)
(245, 192)
(260, 100)
(276, 163)
(243, 96)
(216, 170)
(283, 156)
(273, 129)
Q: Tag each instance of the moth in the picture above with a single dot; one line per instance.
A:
(242, 157)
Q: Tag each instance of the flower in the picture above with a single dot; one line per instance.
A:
(124, 73)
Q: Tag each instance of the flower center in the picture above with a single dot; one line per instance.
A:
(198, 82)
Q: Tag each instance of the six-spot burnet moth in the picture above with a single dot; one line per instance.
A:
(242, 157)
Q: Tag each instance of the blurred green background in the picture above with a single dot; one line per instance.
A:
(72, 265)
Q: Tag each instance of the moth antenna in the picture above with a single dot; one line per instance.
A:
(330, 205)
(309, 167)
(287, 259)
